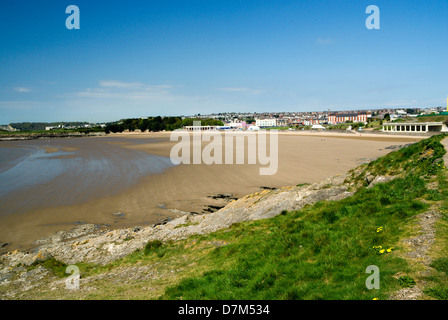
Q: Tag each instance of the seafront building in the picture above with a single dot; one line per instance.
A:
(202, 128)
(265, 123)
(344, 117)
(415, 127)
(237, 125)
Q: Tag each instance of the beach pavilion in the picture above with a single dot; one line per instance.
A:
(415, 127)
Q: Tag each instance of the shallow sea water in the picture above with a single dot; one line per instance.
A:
(80, 170)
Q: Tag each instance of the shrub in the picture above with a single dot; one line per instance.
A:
(153, 247)
(406, 282)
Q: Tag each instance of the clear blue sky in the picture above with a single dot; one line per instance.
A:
(143, 58)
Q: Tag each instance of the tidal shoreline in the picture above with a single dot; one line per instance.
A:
(92, 244)
(49, 135)
(158, 198)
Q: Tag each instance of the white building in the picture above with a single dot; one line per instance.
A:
(317, 127)
(415, 127)
(263, 123)
(237, 124)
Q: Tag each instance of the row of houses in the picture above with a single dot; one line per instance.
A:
(281, 122)
(280, 119)
(276, 122)
(347, 117)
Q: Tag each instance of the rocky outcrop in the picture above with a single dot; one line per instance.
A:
(88, 243)
(91, 243)
(372, 180)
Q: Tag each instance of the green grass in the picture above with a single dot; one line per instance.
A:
(406, 282)
(432, 118)
(280, 128)
(437, 282)
(374, 124)
(186, 225)
(317, 253)
(423, 158)
(155, 247)
(302, 184)
(56, 266)
(321, 252)
(441, 264)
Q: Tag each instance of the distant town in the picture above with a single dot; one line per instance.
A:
(353, 119)
(290, 119)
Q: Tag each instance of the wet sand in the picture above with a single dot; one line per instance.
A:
(303, 158)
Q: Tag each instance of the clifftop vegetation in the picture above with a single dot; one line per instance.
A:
(157, 124)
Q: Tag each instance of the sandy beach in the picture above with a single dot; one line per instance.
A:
(304, 157)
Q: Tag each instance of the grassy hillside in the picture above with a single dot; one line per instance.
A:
(322, 252)
(433, 118)
(319, 252)
(423, 159)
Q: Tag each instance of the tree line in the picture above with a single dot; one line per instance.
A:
(144, 124)
(155, 124)
(40, 126)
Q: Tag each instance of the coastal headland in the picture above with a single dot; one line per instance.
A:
(304, 157)
(391, 200)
